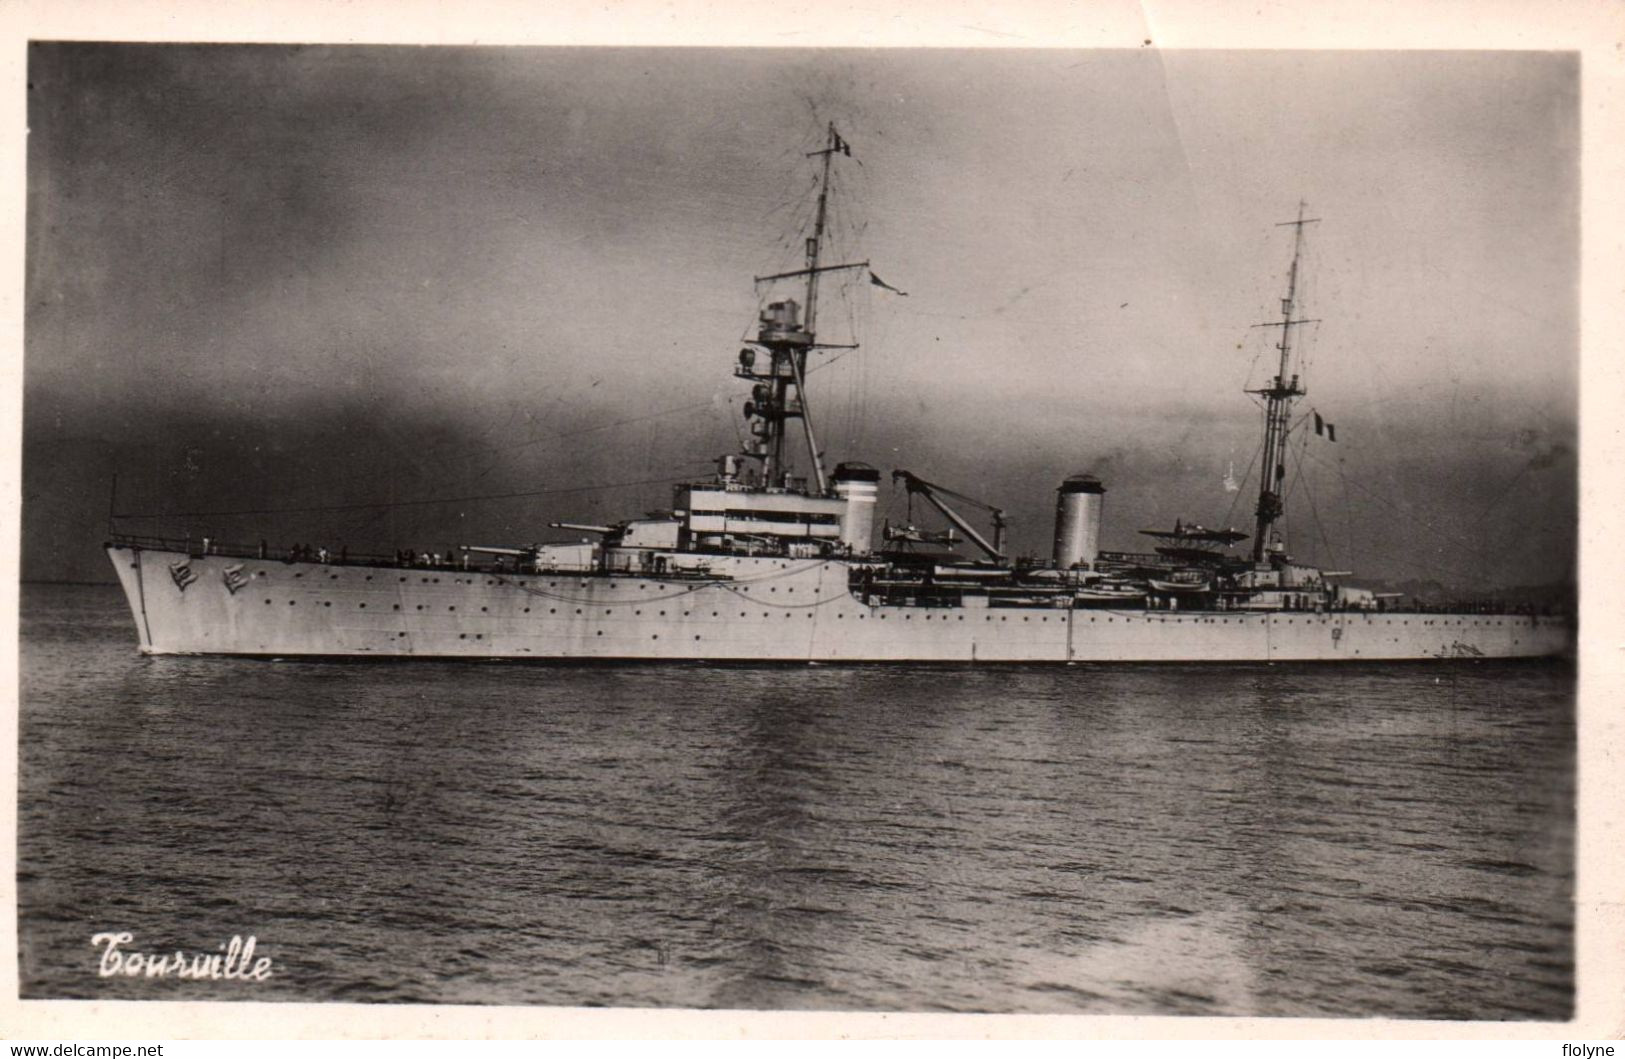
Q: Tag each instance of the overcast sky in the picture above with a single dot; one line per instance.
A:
(280, 277)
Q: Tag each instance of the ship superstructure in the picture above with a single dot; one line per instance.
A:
(763, 563)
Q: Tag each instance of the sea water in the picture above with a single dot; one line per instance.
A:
(1332, 840)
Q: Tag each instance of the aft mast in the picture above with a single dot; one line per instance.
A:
(1278, 398)
(787, 336)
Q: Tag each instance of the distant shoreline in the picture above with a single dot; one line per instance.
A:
(33, 581)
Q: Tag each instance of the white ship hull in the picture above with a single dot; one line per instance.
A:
(767, 610)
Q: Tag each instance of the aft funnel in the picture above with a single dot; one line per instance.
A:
(1077, 521)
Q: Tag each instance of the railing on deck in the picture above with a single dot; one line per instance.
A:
(197, 547)
(917, 595)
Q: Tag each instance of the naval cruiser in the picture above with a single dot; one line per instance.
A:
(764, 563)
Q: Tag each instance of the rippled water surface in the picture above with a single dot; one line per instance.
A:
(1335, 840)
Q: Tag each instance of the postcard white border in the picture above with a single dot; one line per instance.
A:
(1594, 28)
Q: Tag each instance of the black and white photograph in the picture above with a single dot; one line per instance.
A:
(1014, 530)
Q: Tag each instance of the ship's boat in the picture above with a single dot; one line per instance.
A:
(771, 560)
(1103, 592)
(1179, 584)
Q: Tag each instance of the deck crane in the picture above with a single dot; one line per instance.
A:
(935, 493)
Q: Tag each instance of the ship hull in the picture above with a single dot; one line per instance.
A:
(752, 609)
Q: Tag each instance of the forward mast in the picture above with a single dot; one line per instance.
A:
(788, 332)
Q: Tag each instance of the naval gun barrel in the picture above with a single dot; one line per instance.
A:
(583, 527)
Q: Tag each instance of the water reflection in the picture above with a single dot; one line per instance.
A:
(1229, 840)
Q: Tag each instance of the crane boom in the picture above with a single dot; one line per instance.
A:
(935, 493)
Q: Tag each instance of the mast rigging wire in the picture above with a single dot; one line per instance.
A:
(1241, 490)
(1314, 512)
(1443, 535)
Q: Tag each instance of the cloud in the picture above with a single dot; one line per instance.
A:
(299, 274)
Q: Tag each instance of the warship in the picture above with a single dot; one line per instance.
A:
(763, 563)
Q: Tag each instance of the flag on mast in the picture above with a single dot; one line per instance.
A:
(877, 281)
